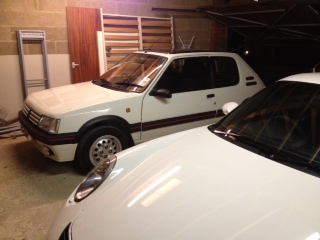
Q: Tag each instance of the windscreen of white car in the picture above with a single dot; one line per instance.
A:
(282, 122)
(133, 73)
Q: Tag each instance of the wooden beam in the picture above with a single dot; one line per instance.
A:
(121, 30)
(114, 59)
(157, 38)
(120, 51)
(120, 22)
(156, 31)
(155, 24)
(157, 45)
(121, 44)
(120, 37)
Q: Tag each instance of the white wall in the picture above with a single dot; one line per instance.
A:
(11, 91)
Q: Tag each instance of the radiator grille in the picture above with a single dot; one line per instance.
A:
(31, 115)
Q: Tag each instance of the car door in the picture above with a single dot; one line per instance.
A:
(192, 104)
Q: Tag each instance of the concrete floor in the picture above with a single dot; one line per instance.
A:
(32, 189)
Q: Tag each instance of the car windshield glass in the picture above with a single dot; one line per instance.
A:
(133, 73)
(282, 122)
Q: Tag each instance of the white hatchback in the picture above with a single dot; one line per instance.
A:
(147, 95)
(253, 175)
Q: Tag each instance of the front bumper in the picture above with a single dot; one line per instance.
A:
(59, 147)
(45, 137)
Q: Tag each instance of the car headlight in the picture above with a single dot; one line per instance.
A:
(95, 178)
(49, 124)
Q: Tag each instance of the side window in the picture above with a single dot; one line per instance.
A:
(169, 78)
(187, 74)
(225, 72)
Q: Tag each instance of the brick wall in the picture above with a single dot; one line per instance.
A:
(218, 37)
(50, 16)
(218, 32)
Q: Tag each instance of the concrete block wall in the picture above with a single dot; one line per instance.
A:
(44, 15)
(50, 16)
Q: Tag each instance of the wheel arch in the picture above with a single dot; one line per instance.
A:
(109, 120)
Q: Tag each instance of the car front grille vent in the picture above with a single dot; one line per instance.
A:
(31, 115)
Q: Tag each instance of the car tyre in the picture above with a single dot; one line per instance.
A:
(97, 144)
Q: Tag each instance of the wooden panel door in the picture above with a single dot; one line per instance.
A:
(83, 24)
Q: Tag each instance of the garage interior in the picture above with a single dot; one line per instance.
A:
(276, 37)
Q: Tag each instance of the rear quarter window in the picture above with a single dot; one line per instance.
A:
(225, 71)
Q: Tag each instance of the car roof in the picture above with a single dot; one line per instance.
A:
(312, 77)
(186, 52)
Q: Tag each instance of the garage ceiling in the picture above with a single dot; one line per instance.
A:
(276, 22)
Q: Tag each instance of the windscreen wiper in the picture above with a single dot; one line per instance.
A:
(129, 84)
(247, 143)
(297, 163)
(271, 153)
(101, 82)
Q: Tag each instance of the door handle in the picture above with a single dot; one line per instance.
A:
(211, 95)
(74, 65)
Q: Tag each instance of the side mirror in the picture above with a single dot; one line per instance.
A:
(163, 93)
(228, 107)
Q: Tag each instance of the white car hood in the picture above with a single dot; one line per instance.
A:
(212, 190)
(59, 100)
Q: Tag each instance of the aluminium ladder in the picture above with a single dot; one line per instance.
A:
(35, 37)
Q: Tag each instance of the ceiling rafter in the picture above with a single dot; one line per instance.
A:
(266, 19)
